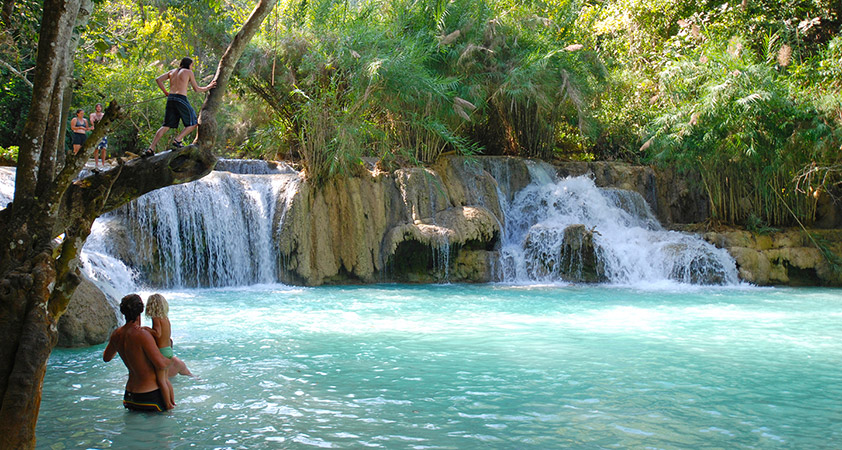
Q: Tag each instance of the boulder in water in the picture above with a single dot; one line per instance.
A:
(568, 254)
(579, 259)
(89, 319)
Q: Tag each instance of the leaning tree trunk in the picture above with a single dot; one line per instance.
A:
(46, 225)
(207, 116)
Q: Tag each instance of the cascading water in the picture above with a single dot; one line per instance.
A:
(630, 247)
(221, 231)
(218, 231)
(110, 275)
(7, 185)
(253, 167)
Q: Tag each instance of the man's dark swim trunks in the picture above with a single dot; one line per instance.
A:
(147, 401)
(179, 108)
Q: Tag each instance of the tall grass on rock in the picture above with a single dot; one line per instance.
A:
(734, 116)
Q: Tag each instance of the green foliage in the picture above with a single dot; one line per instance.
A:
(411, 79)
(14, 104)
(757, 225)
(18, 42)
(745, 93)
(731, 115)
(9, 154)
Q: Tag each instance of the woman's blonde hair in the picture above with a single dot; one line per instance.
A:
(156, 306)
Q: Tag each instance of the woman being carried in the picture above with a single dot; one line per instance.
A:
(157, 310)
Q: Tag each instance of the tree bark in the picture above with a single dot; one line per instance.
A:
(53, 138)
(6, 15)
(39, 274)
(56, 27)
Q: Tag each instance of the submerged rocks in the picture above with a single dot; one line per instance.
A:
(89, 319)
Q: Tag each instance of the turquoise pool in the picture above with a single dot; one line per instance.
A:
(460, 367)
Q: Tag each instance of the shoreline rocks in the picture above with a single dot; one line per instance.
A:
(789, 257)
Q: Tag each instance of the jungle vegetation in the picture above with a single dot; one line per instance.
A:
(747, 95)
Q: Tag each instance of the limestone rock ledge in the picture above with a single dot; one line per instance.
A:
(787, 257)
(410, 225)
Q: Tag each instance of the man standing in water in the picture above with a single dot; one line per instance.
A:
(178, 107)
(140, 354)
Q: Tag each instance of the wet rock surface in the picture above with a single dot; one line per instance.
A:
(89, 319)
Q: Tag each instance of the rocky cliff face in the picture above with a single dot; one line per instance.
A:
(440, 223)
(408, 226)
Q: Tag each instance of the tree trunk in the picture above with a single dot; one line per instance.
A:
(6, 15)
(56, 27)
(38, 274)
(206, 137)
(53, 138)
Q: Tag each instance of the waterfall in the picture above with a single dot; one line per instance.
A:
(630, 246)
(7, 185)
(113, 277)
(217, 231)
(253, 167)
(222, 230)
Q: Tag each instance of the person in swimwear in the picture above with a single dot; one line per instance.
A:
(140, 354)
(79, 126)
(178, 107)
(157, 309)
(102, 147)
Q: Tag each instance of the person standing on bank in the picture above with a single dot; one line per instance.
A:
(79, 126)
(178, 107)
(102, 147)
(140, 354)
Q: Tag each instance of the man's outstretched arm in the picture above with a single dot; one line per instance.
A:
(196, 87)
(111, 349)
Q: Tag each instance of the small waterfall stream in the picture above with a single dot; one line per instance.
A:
(217, 231)
(630, 245)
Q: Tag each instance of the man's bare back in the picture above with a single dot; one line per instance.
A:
(132, 343)
(139, 352)
(180, 79)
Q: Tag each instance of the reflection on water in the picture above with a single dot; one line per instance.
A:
(458, 367)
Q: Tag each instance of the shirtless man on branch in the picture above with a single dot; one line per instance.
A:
(178, 107)
(140, 354)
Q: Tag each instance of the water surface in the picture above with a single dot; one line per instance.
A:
(456, 367)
